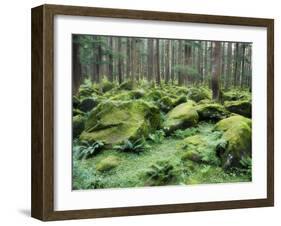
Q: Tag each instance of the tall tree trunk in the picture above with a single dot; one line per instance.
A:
(76, 65)
(243, 65)
(99, 60)
(128, 58)
(236, 65)
(150, 58)
(120, 60)
(133, 59)
(180, 74)
(110, 59)
(158, 73)
(216, 70)
(229, 65)
(205, 70)
(199, 63)
(167, 61)
(173, 62)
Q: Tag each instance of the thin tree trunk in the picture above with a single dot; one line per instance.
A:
(229, 64)
(180, 75)
(150, 59)
(110, 59)
(158, 75)
(167, 61)
(216, 70)
(120, 61)
(76, 65)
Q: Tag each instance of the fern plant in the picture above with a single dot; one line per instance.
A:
(132, 146)
(181, 134)
(157, 137)
(87, 149)
(160, 173)
(246, 163)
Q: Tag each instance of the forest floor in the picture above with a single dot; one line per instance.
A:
(131, 172)
(153, 136)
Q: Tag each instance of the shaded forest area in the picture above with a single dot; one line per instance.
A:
(153, 112)
(182, 62)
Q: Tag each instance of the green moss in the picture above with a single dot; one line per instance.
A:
(211, 111)
(128, 85)
(75, 102)
(237, 133)
(77, 112)
(166, 103)
(242, 107)
(155, 95)
(199, 148)
(108, 163)
(160, 173)
(137, 94)
(180, 117)
(88, 104)
(113, 122)
(200, 93)
(236, 94)
(106, 85)
(123, 95)
(77, 125)
(181, 99)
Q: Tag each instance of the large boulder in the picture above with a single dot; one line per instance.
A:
(241, 107)
(237, 134)
(78, 125)
(211, 111)
(202, 148)
(88, 104)
(108, 163)
(236, 94)
(197, 94)
(166, 103)
(181, 117)
(113, 122)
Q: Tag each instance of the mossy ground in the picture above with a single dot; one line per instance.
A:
(132, 167)
(132, 143)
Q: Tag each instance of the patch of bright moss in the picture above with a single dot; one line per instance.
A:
(108, 163)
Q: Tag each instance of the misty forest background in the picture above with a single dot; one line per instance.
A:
(182, 62)
(153, 112)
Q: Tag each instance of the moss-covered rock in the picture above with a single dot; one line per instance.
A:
(122, 96)
(237, 132)
(155, 95)
(181, 99)
(181, 117)
(106, 85)
(127, 85)
(77, 112)
(137, 94)
(108, 163)
(75, 102)
(113, 122)
(241, 107)
(78, 125)
(166, 103)
(88, 104)
(125, 95)
(202, 149)
(197, 94)
(235, 94)
(211, 111)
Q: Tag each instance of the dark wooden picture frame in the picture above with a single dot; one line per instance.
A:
(42, 203)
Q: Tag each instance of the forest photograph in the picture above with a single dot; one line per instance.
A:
(156, 111)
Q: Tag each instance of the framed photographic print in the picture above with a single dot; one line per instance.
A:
(141, 112)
